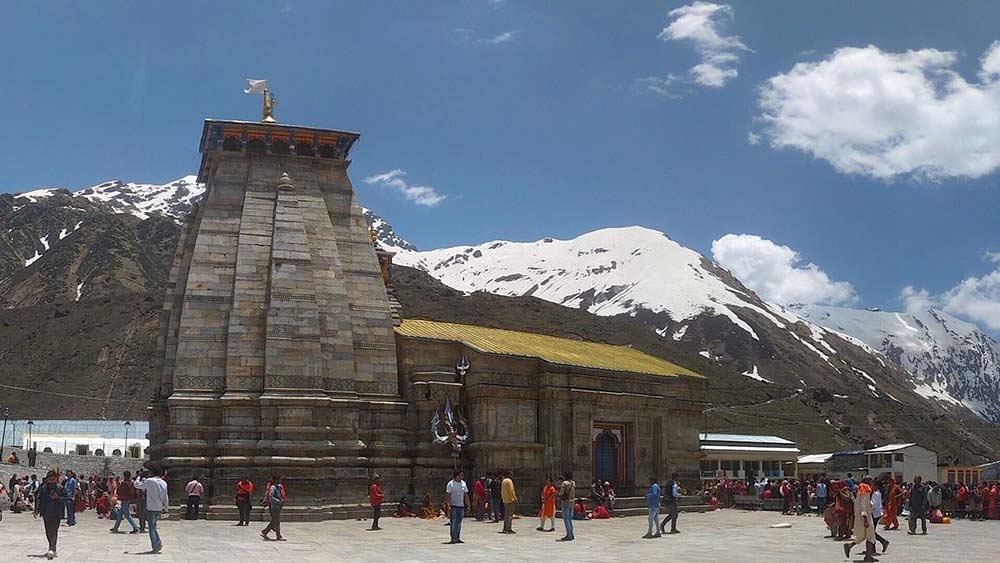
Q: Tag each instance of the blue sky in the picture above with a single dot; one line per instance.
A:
(552, 119)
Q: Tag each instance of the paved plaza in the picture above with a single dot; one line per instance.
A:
(720, 536)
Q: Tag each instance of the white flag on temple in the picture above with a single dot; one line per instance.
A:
(256, 86)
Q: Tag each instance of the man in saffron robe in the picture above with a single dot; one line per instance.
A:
(893, 502)
(548, 508)
(864, 526)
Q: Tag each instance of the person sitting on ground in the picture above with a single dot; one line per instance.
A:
(580, 510)
(404, 510)
(599, 513)
(597, 492)
(609, 496)
(104, 505)
(427, 510)
(446, 509)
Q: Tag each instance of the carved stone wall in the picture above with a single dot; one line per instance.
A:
(538, 418)
(277, 342)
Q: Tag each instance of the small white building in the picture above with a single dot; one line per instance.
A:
(739, 456)
(93, 445)
(902, 461)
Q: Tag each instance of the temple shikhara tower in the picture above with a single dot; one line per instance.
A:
(283, 351)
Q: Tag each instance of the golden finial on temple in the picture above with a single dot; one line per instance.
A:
(260, 87)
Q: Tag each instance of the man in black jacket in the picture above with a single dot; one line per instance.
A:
(52, 506)
(918, 506)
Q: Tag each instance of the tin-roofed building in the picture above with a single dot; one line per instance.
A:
(742, 456)
(902, 461)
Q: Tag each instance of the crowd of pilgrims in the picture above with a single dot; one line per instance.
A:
(100, 494)
(487, 504)
(805, 496)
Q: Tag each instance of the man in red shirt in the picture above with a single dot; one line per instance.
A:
(375, 495)
(126, 495)
(244, 490)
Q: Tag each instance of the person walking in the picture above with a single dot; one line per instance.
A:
(194, 491)
(567, 494)
(375, 496)
(864, 529)
(509, 497)
(157, 501)
(548, 507)
(51, 505)
(275, 497)
(32, 456)
(244, 494)
(126, 495)
(653, 506)
(671, 500)
(918, 506)
(458, 498)
(877, 513)
(140, 509)
(72, 488)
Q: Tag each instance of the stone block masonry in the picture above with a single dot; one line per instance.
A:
(277, 343)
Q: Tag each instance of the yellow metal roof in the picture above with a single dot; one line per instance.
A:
(548, 348)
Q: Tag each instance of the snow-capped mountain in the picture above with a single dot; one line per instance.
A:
(643, 273)
(82, 250)
(386, 236)
(173, 199)
(950, 360)
(607, 272)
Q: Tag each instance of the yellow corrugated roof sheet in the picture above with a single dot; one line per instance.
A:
(548, 348)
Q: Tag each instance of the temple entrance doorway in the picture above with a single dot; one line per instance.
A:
(609, 452)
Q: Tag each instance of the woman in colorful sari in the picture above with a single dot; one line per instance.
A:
(844, 513)
(829, 517)
(991, 507)
(893, 502)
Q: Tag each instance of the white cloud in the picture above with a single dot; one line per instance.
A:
(977, 299)
(657, 85)
(505, 37)
(468, 34)
(776, 274)
(916, 300)
(974, 298)
(394, 179)
(883, 115)
(700, 24)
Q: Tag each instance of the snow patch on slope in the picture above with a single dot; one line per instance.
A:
(607, 272)
(949, 360)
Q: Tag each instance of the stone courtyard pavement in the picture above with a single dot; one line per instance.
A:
(720, 536)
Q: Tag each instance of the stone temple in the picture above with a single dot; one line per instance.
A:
(284, 349)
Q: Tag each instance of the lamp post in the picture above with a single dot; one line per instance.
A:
(30, 424)
(3, 436)
(127, 425)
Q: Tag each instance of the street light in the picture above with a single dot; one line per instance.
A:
(127, 425)
(3, 436)
(30, 424)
